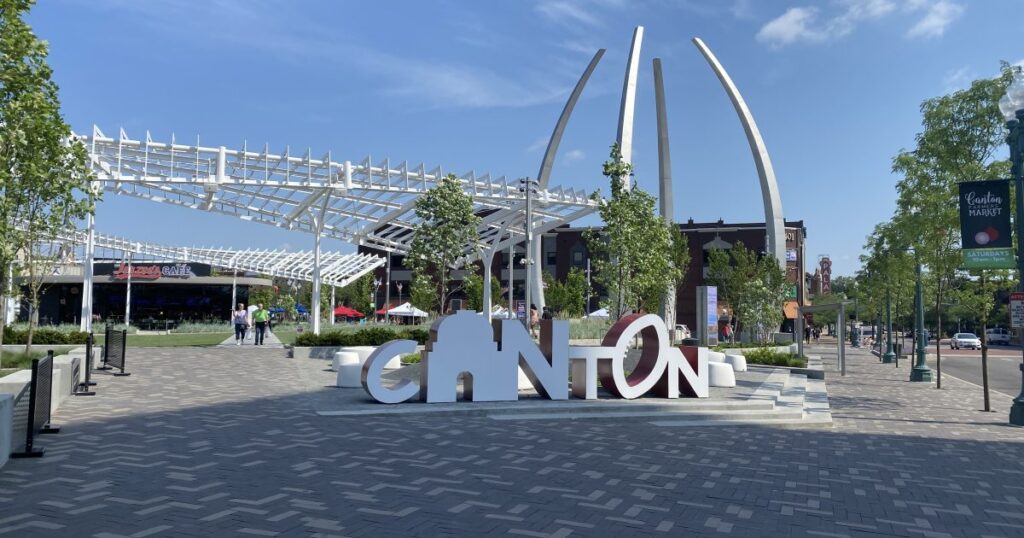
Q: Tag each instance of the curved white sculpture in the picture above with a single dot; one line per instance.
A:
(624, 137)
(668, 305)
(774, 222)
(544, 174)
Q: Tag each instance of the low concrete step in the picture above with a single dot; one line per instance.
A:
(547, 407)
(769, 422)
(667, 415)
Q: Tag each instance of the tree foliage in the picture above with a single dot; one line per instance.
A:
(755, 287)
(567, 299)
(961, 137)
(44, 180)
(630, 259)
(357, 294)
(447, 227)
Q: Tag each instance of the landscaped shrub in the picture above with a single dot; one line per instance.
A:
(44, 336)
(372, 336)
(735, 345)
(771, 357)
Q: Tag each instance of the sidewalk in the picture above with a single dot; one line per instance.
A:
(208, 442)
(270, 340)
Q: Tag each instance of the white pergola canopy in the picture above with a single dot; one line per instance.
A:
(361, 203)
(336, 269)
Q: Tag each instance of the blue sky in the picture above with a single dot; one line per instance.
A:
(834, 85)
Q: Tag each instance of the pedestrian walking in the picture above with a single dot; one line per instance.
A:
(260, 316)
(534, 319)
(807, 334)
(240, 317)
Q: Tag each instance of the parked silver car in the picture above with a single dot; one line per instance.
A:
(965, 340)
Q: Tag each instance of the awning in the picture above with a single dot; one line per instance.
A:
(347, 312)
(790, 309)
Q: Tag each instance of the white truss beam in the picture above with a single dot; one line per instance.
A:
(367, 204)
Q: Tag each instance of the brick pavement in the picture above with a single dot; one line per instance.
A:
(224, 442)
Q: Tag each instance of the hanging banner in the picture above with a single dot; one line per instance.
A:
(985, 225)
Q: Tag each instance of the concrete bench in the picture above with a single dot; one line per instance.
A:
(721, 374)
(737, 361)
(349, 368)
(365, 351)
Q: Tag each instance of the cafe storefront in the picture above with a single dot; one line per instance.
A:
(161, 293)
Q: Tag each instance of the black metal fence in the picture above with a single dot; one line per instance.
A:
(114, 346)
(82, 388)
(39, 405)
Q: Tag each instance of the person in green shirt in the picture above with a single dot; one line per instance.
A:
(260, 317)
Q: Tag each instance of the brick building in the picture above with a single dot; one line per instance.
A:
(565, 248)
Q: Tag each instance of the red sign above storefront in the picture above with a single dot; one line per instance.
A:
(151, 272)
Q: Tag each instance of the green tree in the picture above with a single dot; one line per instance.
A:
(44, 180)
(963, 132)
(978, 296)
(630, 260)
(754, 287)
(262, 295)
(422, 293)
(473, 287)
(447, 227)
(679, 256)
(566, 299)
(356, 294)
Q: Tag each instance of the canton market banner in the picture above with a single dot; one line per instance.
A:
(985, 225)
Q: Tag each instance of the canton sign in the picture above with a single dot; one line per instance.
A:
(491, 357)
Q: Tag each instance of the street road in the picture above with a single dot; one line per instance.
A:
(1003, 370)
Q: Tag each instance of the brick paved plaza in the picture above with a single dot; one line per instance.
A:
(224, 442)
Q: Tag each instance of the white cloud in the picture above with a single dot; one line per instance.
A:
(810, 25)
(569, 13)
(575, 155)
(938, 17)
(742, 9)
(537, 145)
(413, 80)
(957, 79)
(793, 25)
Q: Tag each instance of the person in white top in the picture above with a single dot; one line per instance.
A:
(240, 317)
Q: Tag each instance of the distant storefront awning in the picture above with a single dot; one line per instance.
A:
(790, 309)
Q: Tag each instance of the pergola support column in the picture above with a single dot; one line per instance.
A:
(87, 281)
(314, 307)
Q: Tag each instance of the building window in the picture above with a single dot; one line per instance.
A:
(577, 259)
(552, 258)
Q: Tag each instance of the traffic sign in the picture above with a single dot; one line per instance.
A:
(1017, 310)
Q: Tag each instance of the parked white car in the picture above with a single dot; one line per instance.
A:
(965, 340)
(998, 336)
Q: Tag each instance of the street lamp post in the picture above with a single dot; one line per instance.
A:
(1012, 107)
(889, 356)
(373, 298)
(528, 188)
(921, 371)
